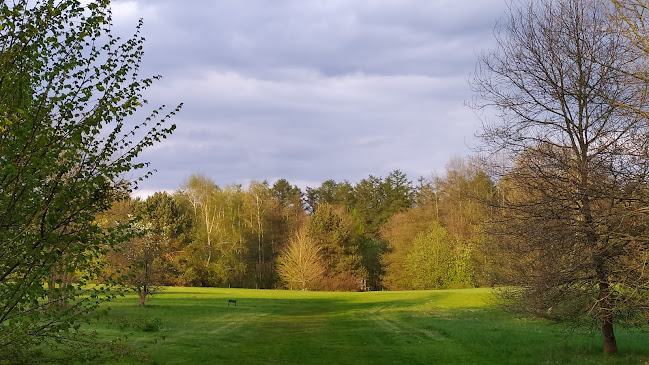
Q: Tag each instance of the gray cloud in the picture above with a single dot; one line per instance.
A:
(310, 91)
(332, 37)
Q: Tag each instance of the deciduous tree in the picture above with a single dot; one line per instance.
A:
(334, 231)
(463, 198)
(301, 262)
(68, 89)
(430, 261)
(574, 201)
(399, 232)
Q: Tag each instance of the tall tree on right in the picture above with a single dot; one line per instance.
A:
(574, 163)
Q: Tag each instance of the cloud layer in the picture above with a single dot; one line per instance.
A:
(310, 90)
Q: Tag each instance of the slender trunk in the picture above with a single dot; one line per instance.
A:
(606, 316)
(141, 292)
(208, 232)
(52, 295)
(260, 235)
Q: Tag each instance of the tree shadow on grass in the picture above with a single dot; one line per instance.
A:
(354, 328)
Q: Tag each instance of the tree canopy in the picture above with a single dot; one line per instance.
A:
(574, 183)
(68, 89)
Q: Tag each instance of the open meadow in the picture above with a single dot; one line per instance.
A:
(196, 326)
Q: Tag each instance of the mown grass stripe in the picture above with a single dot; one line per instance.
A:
(291, 327)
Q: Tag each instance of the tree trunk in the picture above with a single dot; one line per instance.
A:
(142, 294)
(608, 336)
(604, 297)
(610, 344)
(51, 286)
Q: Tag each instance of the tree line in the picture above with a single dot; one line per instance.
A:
(380, 233)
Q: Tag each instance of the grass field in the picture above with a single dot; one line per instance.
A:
(196, 326)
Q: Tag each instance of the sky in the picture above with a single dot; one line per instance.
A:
(310, 90)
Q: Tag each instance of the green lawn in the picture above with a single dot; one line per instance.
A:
(196, 326)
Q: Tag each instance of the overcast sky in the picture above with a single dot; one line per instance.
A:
(310, 90)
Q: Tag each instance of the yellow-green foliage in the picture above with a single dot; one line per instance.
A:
(437, 262)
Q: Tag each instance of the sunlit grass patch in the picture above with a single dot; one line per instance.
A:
(195, 325)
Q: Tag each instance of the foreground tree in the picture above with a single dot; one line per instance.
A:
(574, 217)
(630, 20)
(65, 143)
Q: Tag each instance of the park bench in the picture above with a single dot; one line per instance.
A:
(233, 301)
